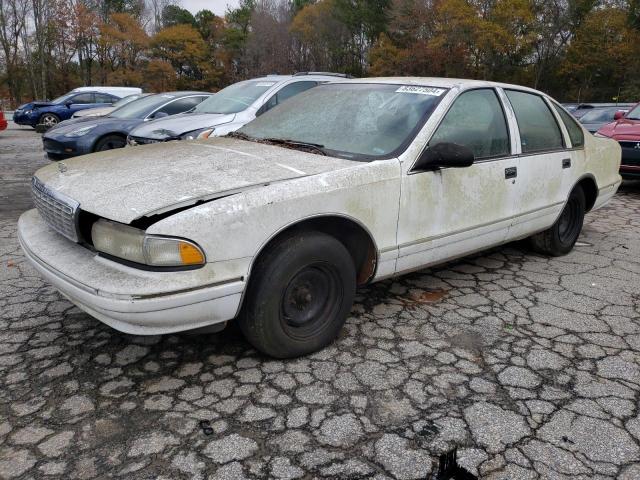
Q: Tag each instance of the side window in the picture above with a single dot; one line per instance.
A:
(286, 93)
(538, 127)
(181, 105)
(83, 98)
(104, 98)
(575, 132)
(476, 120)
(294, 89)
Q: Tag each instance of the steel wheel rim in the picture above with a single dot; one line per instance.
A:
(49, 120)
(311, 300)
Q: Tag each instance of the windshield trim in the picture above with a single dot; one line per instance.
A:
(361, 157)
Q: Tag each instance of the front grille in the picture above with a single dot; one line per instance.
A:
(59, 211)
(632, 144)
(52, 146)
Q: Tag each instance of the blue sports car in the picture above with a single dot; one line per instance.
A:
(62, 108)
(83, 135)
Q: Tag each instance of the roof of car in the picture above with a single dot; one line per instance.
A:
(184, 92)
(437, 82)
(301, 75)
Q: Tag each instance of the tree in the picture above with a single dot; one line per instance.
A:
(13, 15)
(604, 55)
(183, 47)
(123, 42)
(174, 15)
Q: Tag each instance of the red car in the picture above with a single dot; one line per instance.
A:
(626, 130)
(3, 122)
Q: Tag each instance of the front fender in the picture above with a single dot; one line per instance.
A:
(238, 226)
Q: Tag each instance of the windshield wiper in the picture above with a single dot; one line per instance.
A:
(295, 144)
(241, 136)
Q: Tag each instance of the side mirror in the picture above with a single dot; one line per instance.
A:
(160, 115)
(68, 103)
(619, 114)
(445, 154)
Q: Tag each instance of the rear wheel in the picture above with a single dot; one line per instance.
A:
(110, 142)
(300, 294)
(562, 236)
(49, 120)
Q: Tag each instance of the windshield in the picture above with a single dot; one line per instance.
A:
(356, 120)
(235, 98)
(141, 107)
(127, 99)
(599, 115)
(63, 98)
(634, 114)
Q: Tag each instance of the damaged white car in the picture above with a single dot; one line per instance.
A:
(276, 224)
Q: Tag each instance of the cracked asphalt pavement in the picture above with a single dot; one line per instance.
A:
(529, 365)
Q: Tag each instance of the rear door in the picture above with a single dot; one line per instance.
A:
(546, 162)
(449, 212)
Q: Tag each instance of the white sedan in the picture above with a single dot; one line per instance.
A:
(277, 224)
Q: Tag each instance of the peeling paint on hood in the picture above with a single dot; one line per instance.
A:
(133, 182)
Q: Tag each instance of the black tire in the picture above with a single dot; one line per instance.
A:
(49, 119)
(562, 236)
(109, 143)
(299, 295)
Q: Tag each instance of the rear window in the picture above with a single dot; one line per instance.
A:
(539, 130)
(575, 132)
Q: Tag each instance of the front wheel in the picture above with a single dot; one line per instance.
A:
(110, 142)
(49, 120)
(560, 238)
(299, 295)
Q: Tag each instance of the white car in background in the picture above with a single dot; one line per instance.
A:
(277, 224)
(230, 108)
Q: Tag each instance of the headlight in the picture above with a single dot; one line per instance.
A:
(26, 112)
(79, 132)
(198, 134)
(135, 245)
(598, 134)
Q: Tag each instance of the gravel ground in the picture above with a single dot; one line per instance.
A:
(529, 365)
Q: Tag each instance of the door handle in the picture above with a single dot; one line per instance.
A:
(566, 163)
(511, 172)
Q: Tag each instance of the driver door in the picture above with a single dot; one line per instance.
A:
(449, 212)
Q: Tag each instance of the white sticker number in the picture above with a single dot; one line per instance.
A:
(434, 92)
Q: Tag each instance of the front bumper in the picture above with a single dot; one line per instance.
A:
(60, 147)
(20, 118)
(630, 165)
(125, 298)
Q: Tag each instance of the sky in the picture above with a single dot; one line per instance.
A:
(216, 6)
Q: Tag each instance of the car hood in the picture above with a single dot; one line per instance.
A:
(623, 129)
(35, 104)
(113, 124)
(177, 125)
(134, 182)
(96, 112)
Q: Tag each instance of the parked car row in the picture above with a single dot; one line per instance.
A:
(626, 131)
(296, 203)
(89, 134)
(62, 108)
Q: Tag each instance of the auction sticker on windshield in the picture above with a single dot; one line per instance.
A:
(434, 92)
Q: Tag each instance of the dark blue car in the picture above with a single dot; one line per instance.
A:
(62, 108)
(94, 134)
